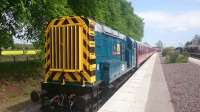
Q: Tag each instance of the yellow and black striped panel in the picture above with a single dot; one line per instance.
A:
(70, 50)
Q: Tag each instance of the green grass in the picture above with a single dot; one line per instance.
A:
(18, 79)
(19, 70)
(181, 58)
(20, 58)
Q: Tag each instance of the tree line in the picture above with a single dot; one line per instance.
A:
(26, 19)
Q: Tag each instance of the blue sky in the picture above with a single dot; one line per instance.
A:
(172, 21)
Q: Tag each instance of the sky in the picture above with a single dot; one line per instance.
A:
(174, 22)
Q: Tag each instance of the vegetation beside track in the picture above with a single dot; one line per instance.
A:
(18, 79)
(173, 56)
(30, 17)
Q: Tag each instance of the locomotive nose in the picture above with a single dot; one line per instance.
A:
(65, 48)
(70, 51)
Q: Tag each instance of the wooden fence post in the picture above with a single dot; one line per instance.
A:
(14, 60)
(27, 59)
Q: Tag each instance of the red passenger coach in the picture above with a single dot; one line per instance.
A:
(143, 52)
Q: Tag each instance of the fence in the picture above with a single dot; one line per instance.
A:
(18, 55)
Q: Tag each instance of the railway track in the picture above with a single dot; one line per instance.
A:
(94, 104)
(106, 95)
(109, 92)
(195, 55)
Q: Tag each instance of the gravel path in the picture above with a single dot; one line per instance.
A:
(183, 81)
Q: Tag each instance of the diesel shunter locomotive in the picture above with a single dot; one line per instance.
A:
(82, 59)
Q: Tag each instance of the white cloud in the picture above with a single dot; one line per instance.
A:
(195, 0)
(172, 21)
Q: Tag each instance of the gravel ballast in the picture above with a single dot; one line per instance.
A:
(183, 82)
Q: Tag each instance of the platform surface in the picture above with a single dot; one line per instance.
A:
(134, 95)
(158, 97)
(193, 60)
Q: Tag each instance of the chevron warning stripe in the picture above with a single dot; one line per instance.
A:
(70, 50)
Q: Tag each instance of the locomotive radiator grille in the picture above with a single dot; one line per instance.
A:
(65, 49)
(70, 50)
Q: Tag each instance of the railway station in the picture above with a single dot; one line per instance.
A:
(145, 91)
(99, 56)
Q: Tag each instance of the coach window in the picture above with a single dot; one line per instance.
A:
(116, 49)
(139, 50)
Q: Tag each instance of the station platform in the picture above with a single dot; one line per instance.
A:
(193, 60)
(145, 91)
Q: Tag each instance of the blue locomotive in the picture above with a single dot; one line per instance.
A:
(82, 59)
(115, 54)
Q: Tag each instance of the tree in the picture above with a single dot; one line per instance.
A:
(5, 40)
(27, 19)
(159, 44)
(188, 43)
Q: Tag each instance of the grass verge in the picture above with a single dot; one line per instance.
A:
(19, 79)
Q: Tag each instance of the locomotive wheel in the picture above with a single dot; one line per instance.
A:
(46, 107)
(35, 96)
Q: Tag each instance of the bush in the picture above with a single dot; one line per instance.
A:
(181, 59)
(167, 51)
(171, 58)
(174, 57)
